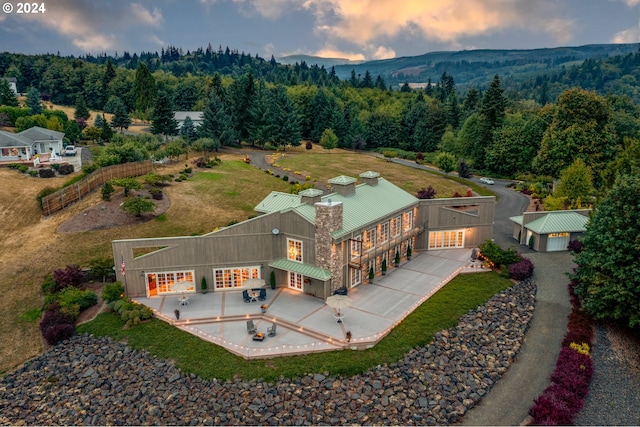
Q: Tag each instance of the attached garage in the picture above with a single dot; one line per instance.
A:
(549, 231)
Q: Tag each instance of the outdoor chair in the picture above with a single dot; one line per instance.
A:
(263, 295)
(271, 331)
(245, 296)
(251, 328)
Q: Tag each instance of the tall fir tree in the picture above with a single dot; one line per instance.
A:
(120, 119)
(7, 96)
(144, 90)
(216, 123)
(163, 121)
(33, 101)
(81, 110)
(188, 130)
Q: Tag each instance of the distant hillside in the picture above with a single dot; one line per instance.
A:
(477, 67)
(316, 60)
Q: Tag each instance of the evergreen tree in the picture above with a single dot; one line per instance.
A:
(7, 96)
(72, 131)
(33, 101)
(144, 90)
(107, 77)
(216, 123)
(120, 119)
(162, 118)
(81, 110)
(242, 94)
(98, 121)
(608, 273)
(107, 132)
(329, 140)
(492, 114)
(576, 184)
(188, 130)
(367, 82)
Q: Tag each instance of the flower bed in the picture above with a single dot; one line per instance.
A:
(562, 400)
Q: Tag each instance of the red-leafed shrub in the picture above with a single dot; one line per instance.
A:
(69, 276)
(575, 246)
(573, 371)
(426, 193)
(65, 169)
(56, 326)
(419, 155)
(521, 270)
(59, 332)
(46, 173)
(308, 145)
(579, 329)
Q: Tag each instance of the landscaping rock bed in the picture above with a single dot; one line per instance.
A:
(96, 381)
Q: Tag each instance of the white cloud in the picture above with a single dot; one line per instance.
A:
(378, 22)
(629, 35)
(144, 16)
(333, 52)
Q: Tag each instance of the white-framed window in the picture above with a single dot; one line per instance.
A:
(446, 239)
(170, 282)
(294, 250)
(396, 226)
(295, 281)
(234, 277)
(369, 239)
(383, 232)
(356, 247)
(407, 220)
(356, 276)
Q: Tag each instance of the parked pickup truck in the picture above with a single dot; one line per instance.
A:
(70, 150)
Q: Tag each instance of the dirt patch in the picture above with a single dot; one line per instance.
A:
(625, 344)
(91, 312)
(109, 214)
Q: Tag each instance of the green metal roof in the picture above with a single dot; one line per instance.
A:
(307, 270)
(367, 206)
(342, 179)
(311, 192)
(517, 219)
(369, 174)
(559, 222)
(277, 201)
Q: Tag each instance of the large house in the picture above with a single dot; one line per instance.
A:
(313, 243)
(29, 142)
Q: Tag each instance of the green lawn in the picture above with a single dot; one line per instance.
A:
(207, 360)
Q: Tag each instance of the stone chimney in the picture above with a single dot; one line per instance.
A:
(343, 185)
(370, 178)
(310, 196)
(328, 220)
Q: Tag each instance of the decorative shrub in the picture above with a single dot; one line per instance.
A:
(156, 194)
(56, 326)
(69, 276)
(58, 333)
(43, 193)
(575, 246)
(419, 156)
(285, 178)
(24, 168)
(65, 169)
(131, 313)
(33, 173)
(48, 285)
(494, 253)
(522, 269)
(107, 191)
(46, 173)
(308, 145)
(426, 193)
(112, 292)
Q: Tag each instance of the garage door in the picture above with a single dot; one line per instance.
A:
(557, 242)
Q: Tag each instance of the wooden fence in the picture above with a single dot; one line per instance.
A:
(75, 192)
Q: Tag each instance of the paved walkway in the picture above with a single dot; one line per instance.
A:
(306, 324)
(509, 400)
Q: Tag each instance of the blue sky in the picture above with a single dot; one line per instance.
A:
(353, 29)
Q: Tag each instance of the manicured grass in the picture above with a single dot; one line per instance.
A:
(323, 166)
(193, 355)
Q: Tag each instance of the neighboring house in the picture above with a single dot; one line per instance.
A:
(549, 231)
(29, 142)
(313, 243)
(195, 116)
(13, 84)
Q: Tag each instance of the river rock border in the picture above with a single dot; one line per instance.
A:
(90, 380)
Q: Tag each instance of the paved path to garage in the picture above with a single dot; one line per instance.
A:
(509, 400)
(306, 324)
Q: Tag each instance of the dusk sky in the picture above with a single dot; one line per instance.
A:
(353, 29)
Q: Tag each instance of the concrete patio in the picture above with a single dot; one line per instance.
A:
(305, 324)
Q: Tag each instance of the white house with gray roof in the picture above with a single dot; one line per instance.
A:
(26, 144)
(195, 116)
(550, 231)
(313, 242)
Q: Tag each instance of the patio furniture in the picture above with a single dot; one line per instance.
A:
(251, 328)
(245, 296)
(271, 331)
(263, 295)
(183, 300)
(253, 295)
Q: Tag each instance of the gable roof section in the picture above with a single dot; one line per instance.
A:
(8, 139)
(195, 116)
(37, 133)
(367, 206)
(559, 222)
(307, 270)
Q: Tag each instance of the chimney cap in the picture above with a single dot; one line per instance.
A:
(369, 174)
